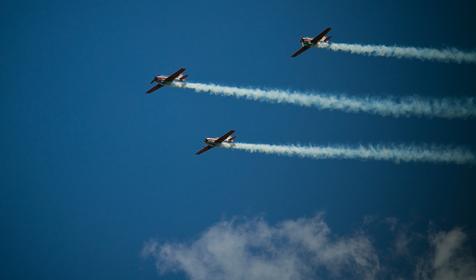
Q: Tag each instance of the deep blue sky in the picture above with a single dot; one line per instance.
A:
(92, 167)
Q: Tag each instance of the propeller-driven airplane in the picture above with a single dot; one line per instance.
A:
(213, 142)
(167, 80)
(307, 42)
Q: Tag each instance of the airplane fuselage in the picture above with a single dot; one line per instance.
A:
(212, 140)
(160, 79)
(307, 41)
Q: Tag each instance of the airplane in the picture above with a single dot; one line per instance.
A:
(307, 42)
(167, 80)
(213, 142)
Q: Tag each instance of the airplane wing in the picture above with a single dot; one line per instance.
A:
(174, 75)
(204, 149)
(221, 139)
(319, 37)
(300, 51)
(154, 88)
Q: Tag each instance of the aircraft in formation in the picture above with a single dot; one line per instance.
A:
(213, 142)
(306, 43)
(167, 80)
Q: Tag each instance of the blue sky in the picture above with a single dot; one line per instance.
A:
(93, 167)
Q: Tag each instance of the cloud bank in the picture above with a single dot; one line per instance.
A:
(303, 248)
(253, 249)
(449, 259)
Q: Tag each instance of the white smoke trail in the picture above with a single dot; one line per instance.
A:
(407, 106)
(395, 153)
(446, 55)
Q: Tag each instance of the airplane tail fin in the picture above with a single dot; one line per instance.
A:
(184, 77)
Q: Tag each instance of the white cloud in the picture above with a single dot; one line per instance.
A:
(402, 243)
(305, 248)
(449, 259)
(294, 249)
